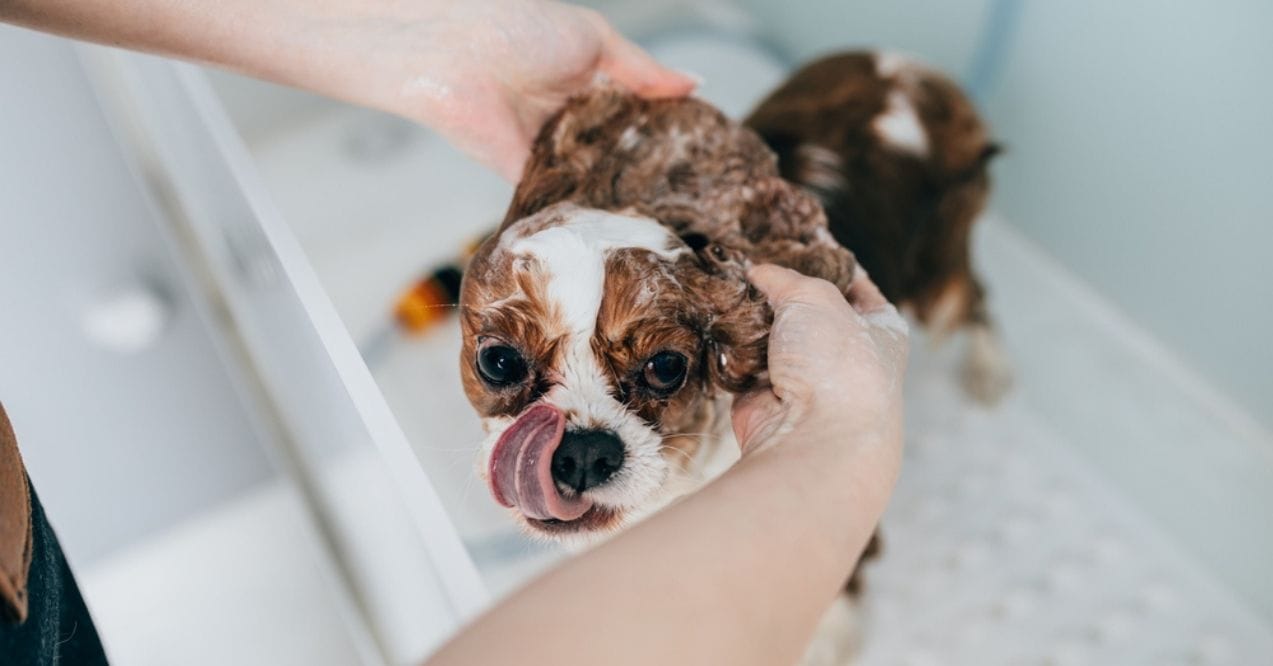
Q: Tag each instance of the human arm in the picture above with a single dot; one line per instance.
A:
(740, 572)
(486, 74)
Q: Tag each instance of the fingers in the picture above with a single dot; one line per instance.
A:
(783, 284)
(864, 295)
(631, 67)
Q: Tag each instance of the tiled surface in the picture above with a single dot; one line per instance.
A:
(1004, 547)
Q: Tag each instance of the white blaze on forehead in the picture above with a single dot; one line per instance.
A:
(899, 126)
(891, 63)
(574, 255)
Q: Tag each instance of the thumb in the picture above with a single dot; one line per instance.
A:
(776, 282)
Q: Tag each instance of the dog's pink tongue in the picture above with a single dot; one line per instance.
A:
(521, 467)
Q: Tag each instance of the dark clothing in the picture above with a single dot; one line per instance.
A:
(58, 628)
(43, 619)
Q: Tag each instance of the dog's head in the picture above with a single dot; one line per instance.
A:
(592, 339)
(613, 305)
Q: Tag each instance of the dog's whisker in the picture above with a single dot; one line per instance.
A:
(689, 459)
(434, 306)
(699, 435)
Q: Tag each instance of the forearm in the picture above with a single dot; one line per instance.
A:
(738, 573)
(485, 74)
(301, 43)
(212, 31)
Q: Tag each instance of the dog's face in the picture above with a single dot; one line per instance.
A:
(593, 342)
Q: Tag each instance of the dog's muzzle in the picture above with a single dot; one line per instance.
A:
(535, 459)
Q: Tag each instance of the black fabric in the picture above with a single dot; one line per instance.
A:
(58, 628)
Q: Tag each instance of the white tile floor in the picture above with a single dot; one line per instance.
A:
(1063, 527)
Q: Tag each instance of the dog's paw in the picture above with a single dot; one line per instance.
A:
(986, 373)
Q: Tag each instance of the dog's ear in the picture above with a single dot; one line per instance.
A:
(737, 344)
(773, 222)
(732, 316)
(787, 226)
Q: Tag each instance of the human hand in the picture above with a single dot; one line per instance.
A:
(484, 74)
(835, 369)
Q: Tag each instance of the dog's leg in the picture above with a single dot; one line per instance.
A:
(838, 637)
(986, 372)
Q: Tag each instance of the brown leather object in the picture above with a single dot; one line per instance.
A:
(15, 527)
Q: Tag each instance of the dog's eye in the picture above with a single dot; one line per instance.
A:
(664, 372)
(501, 365)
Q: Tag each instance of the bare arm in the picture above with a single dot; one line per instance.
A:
(740, 572)
(486, 73)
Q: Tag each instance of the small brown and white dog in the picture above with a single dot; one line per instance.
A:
(608, 323)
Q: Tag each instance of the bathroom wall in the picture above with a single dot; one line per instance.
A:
(1139, 147)
(1138, 150)
(125, 412)
(943, 33)
(262, 109)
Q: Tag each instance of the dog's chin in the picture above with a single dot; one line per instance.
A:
(598, 522)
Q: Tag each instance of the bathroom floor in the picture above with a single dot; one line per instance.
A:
(1005, 544)
(243, 583)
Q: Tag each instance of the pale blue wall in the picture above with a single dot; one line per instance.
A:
(943, 33)
(1141, 154)
(120, 445)
(1140, 151)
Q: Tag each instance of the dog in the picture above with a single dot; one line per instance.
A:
(898, 156)
(608, 323)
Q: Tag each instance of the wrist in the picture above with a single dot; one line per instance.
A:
(832, 459)
(366, 54)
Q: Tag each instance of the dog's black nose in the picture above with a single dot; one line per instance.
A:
(587, 458)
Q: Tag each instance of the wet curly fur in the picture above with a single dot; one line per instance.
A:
(712, 181)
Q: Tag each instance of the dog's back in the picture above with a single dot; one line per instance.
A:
(898, 157)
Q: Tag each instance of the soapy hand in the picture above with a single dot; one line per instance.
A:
(488, 74)
(835, 369)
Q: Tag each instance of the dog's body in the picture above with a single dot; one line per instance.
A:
(897, 156)
(609, 321)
